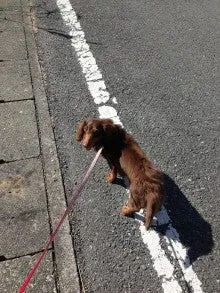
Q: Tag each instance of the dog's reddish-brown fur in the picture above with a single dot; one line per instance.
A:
(125, 157)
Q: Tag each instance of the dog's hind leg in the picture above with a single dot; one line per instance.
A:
(150, 211)
(129, 208)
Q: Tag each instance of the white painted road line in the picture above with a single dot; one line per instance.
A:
(161, 263)
(93, 76)
(97, 88)
(178, 251)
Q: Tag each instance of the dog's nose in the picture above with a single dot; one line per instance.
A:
(84, 143)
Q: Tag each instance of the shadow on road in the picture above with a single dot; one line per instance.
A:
(195, 233)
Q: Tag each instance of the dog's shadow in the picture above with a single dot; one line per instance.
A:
(193, 231)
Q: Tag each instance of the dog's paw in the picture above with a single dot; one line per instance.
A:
(110, 177)
(124, 210)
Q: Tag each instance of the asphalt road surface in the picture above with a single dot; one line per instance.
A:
(159, 62)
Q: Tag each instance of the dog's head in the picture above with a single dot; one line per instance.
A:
(95, 133)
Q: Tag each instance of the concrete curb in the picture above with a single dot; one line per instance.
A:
(66, 270)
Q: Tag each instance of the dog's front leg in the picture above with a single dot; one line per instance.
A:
(111, 176)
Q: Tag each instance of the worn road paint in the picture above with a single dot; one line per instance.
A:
(178, 251)
(93, 76)
(97, 88)
(161, 263)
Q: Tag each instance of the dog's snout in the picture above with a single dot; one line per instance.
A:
(84, 143)
(85, 140)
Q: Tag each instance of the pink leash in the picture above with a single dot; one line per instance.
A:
(53, 234)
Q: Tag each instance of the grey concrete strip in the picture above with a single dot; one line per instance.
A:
(13, 273)
(12, 44)
(23, 210)
(64, 254)
(18, 131)
(10, 20)
(15, 81)
(10, 4)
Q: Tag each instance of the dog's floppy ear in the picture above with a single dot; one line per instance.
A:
(80, 130)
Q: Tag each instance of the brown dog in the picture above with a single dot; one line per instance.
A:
(125, 157)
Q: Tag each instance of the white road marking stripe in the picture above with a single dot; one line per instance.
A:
(97, 88)
(93, 76)
(178, 251)
(161, 263)
(109, 112)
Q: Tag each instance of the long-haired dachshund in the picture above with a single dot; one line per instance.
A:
(125, 157)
